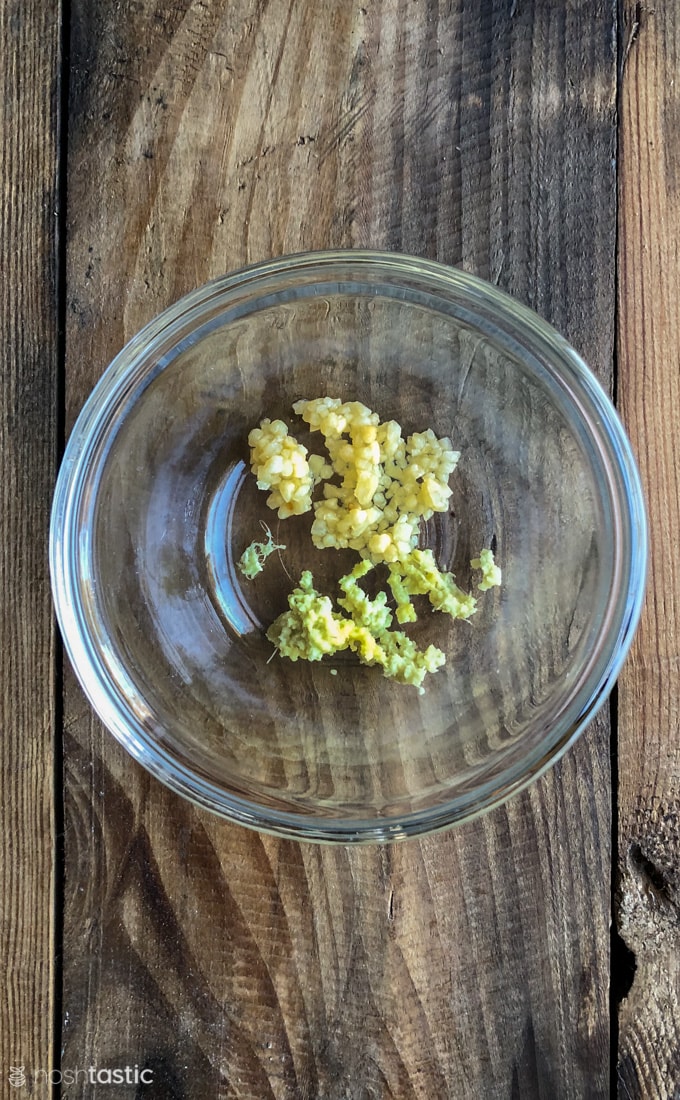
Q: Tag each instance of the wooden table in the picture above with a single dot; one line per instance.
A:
(147, 146)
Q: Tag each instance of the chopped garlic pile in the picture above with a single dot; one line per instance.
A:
(280, 463)
(388, 484)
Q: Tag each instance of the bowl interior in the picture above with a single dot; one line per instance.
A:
(171, 504)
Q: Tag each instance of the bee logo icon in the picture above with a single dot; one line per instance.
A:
(17, 1077)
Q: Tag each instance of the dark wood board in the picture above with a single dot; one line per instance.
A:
(203, 136)
(647, 910)
(30, 41)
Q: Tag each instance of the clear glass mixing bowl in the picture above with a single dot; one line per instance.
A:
(155, 504)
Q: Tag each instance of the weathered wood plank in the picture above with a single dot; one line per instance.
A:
(29, 71)
(204, 135)
(648, 901)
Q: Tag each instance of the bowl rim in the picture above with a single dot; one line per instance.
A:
(65, 534)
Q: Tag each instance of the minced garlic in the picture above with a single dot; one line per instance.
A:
(280, 463)
(388, 484)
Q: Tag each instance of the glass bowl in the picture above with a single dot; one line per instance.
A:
(155, 503)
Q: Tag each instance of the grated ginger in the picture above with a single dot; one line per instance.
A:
(418, 575)
(254, 556)
(491, 574)
(312, 628)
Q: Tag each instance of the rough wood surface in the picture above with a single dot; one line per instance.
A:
(203, 135)
(29, 72)
(648, 898)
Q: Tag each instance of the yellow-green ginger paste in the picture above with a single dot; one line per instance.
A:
(254, 556)
(491, 574)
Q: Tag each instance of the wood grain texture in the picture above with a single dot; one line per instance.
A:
(204, 135)
(29, 60)
(648, 902)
